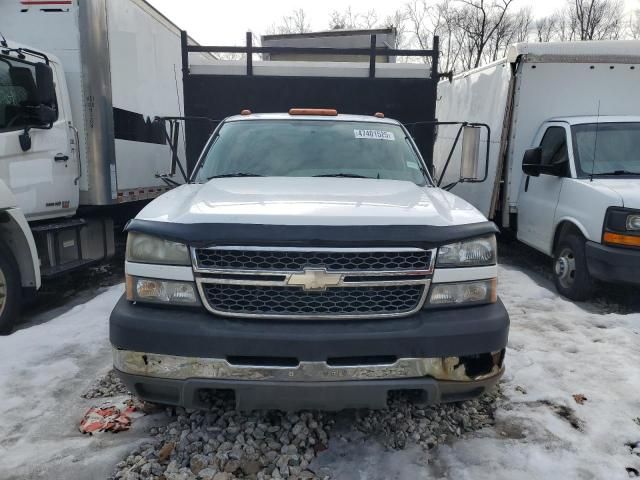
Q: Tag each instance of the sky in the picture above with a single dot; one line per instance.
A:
(224, 22)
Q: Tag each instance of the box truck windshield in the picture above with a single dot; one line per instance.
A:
(607, 148)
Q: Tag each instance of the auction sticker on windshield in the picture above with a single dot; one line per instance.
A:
(374, 134)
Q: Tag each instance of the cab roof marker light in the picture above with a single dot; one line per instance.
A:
(322, 112)
(245, 112)
(378, 115)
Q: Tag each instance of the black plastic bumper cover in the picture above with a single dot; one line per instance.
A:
(613, 264)
(197, 333)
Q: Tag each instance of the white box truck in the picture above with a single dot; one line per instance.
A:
(563, 169)
(79, 140)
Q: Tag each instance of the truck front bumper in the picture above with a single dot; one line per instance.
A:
(170, 356)
(613, 264)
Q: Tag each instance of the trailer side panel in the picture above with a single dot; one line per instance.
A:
(145, 60)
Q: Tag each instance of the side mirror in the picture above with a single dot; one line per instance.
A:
(46, 89)
(470, 161)
(531, 162)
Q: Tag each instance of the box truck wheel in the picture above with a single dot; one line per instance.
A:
(570, 270)
(10, 290)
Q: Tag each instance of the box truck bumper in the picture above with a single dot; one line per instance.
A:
(613, 264)
(172, 356)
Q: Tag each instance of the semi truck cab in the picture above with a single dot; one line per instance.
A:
(579, 200)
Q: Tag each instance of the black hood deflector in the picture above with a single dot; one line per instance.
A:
(243, 234)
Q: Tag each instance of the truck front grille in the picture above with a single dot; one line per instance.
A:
(313, 283)
(283, 301)
(279, 260)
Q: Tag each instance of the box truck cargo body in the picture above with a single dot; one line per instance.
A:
(575, 104)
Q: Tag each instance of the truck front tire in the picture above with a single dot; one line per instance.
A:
(10, 290)
(570, 271)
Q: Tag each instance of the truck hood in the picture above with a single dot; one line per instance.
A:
(310, 201)
(628, 189)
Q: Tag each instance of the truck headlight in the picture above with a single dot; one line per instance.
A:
(621, 227)
(475, 252)
(161, 291)
(475, 292)
(633, 222)
(144, 248)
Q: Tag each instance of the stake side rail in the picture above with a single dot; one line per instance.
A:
(372, 53)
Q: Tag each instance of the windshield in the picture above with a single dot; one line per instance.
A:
(308, 148)
(17, 89)
(615, 148)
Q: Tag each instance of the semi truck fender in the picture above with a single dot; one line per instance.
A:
(15, 232)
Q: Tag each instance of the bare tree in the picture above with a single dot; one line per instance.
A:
(634, 25)
(452, 38)
(596, 19)
(398, 20)
(515, 27)
(425, 20)
(369, 19)
(295, 22)
(349, 19)
(566, 26)
(545, 28)
(343, 19)
(480, 20)
(418, 13)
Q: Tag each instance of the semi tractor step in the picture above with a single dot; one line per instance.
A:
(72, 244)
(49, 272)
(58, 225)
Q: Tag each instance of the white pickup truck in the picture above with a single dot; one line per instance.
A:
(310, 262)
(563, 171)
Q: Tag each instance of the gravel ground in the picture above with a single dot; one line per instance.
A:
(106, 386)
(222, 444)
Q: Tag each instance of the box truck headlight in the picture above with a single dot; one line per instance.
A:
(475, 252)
(161, 291)
(144, 248)
(476, 292)
(622, 227)
(633, 222)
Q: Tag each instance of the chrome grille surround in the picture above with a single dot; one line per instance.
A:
(315, 278)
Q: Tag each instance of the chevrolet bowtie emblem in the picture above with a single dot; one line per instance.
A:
(317, 279)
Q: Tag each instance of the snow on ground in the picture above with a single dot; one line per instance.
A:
(44, 369)
(557, 349)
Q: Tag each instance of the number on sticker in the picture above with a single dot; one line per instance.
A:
(374, 134)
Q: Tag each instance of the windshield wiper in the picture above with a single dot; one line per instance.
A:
(344, 175)
(615, 172)
(237, 174)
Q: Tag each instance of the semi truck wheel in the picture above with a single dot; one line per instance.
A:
(570, 270)
(10, 290)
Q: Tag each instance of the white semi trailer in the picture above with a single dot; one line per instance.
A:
(79, 138)
(563, 169)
